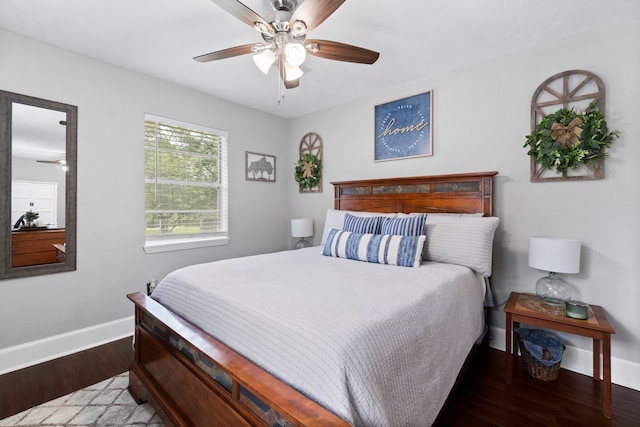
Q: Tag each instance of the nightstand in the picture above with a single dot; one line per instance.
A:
(529, 309)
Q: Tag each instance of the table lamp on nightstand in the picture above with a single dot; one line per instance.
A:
(555, 255)
(302, 228)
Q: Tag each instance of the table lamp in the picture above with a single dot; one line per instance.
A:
(302, 227)
(555, 255)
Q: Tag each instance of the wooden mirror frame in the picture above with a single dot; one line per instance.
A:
(7, 99)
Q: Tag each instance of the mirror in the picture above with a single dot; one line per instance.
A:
(38, 171)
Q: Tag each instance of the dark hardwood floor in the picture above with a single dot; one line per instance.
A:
(481, 399)
(28, 387)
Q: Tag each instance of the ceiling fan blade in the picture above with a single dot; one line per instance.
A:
(53, 162)
(342, 52)
(225, 53)
(313, 13)
(242, 12)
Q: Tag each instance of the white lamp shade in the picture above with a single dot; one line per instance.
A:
(302, 227)
(554, 254)
(292, 72)
(264, 60)
(295, 54)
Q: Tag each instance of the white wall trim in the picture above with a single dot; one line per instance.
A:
(623, 372)
(34, 352)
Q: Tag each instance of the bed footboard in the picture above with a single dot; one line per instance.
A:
(192, 379)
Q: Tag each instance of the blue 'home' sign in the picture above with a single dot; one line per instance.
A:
(403, 128)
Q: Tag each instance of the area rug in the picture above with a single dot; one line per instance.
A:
(107, 403)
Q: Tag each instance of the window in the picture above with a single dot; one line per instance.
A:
(185, 185)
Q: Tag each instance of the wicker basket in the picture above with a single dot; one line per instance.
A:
(537, 369)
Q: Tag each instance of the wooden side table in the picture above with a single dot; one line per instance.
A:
(529, 309)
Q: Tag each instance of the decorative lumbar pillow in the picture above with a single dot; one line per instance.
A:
(405, 251)
(362, 225)
(462, 240)
(335, 219)
(412, 225)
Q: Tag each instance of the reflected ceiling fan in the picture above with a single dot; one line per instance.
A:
(53, 162)
(284, 32)
(62, 163)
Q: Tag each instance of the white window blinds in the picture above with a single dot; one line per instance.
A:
(185, 182)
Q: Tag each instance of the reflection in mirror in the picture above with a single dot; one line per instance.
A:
(38, 158)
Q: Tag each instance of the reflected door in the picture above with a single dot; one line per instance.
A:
(39, 197)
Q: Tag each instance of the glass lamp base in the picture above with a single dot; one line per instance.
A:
(302, 243)
(552, 290)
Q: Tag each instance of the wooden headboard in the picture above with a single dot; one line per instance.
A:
(460, 193)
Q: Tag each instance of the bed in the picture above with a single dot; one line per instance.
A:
(337, 345)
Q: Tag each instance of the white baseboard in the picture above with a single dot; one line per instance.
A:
(623, 372)
(34, 352)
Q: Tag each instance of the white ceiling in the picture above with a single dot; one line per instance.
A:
(417, 40)
(37, 133)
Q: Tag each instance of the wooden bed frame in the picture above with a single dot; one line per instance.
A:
(191, 379)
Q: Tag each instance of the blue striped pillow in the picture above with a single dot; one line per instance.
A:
(362, 224)
(407, 226)
(404, 251)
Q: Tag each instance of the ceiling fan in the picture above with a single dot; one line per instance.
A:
(62, 163)
(284, 32)
(53, 162)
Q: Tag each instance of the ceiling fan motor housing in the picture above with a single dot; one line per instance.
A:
(288, 5)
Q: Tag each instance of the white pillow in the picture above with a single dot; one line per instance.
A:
(335, 219)
(463, 240)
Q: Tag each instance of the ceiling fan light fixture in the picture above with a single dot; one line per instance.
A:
(262, 27)
(292, 72)
(295, 53)
(312, 47)
(264, 60)
(298, 28)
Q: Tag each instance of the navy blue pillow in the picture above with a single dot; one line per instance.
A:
(406, 226)
(362, 224)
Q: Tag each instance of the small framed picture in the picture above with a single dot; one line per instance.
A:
(260, 167)
(403, 128)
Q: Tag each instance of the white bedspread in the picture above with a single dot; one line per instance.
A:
(378, 345)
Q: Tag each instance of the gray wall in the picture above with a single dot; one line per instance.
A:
(111, 262)
(481, 118)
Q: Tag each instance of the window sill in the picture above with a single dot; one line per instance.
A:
(178, 245)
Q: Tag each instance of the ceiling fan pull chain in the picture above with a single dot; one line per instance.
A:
(280, 90)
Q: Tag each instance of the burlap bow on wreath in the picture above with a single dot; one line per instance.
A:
(569, 135)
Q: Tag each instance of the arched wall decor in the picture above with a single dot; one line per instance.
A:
(311, 143)
(575, 89)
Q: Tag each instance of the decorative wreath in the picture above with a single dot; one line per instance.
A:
(565, 139)
(308, 171)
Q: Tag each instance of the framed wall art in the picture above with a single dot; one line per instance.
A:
(260, 167)
(403, 128)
